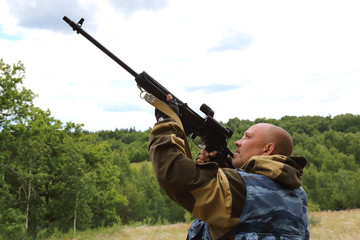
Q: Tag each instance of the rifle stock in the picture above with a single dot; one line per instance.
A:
(213, 134)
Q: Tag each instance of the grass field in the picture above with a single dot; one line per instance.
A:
(344, 225)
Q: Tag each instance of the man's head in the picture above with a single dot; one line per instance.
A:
(262, 139)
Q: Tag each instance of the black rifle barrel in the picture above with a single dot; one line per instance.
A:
(213, 133)
(78, 29)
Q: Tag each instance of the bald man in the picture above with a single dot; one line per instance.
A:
(260, 139)
(261, 199)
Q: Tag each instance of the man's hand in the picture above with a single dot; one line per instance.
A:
(169, 97)
(172, 104)
(204, 156)
(214, 156)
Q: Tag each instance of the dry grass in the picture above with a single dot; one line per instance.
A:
(165, 232)
(344, 225)
(331, 225)
(144, 232)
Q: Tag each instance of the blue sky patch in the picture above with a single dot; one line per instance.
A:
(9, 37)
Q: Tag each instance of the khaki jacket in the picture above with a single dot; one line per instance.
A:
(214, 195)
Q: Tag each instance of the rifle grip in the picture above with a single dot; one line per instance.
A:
(222, 158)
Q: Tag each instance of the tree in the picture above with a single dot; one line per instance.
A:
(15, 105)
(346, 123)
(52, 176)
(15, 101)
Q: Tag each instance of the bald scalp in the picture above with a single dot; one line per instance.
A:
(281, 139)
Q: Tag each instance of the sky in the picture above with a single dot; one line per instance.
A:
(244, 59)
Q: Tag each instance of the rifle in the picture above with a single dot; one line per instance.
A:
(211, 132)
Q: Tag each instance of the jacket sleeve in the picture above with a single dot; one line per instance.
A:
(212, 194)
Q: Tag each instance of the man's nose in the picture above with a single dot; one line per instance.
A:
(238, 143)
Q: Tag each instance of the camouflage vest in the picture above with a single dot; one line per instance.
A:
(271, 211)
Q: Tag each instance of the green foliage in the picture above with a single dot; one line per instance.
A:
(14, 100)
(131, 142)
(53, 177)
(57, 178)
(313, 207)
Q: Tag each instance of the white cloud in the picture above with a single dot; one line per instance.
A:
(292, 58)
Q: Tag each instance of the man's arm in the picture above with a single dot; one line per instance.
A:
(212, 194)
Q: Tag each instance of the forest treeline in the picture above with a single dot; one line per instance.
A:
(56, 176)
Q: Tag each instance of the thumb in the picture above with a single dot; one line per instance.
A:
(169, 97)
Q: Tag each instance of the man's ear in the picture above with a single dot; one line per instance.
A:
(269, 149)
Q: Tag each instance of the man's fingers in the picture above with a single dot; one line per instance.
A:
(204, 156)
(199, 160)
(169, 97)
(212, 154)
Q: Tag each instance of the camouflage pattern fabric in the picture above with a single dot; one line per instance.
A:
(271, 211)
